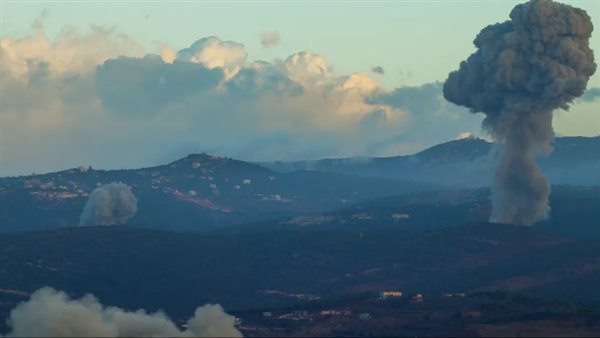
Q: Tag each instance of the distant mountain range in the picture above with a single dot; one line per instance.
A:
(467, 162)
(197, 193)
(202, 192)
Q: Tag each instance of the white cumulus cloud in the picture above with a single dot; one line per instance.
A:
(212, 52)
(95, 98)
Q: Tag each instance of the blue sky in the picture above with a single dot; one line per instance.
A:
(415, 42)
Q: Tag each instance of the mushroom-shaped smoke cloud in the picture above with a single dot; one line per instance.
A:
(523, 69)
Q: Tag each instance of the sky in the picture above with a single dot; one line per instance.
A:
(337, 79)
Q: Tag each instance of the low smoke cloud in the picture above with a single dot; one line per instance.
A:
(52, 313)
(109, 204)
(269, 39)
(524, 69)
(465, 136)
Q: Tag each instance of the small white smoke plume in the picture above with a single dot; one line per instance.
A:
(51, 313)
(465, 135)
(109, 204)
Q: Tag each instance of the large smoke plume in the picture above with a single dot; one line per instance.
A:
(109, 204)
(523, 69)
(50, 313)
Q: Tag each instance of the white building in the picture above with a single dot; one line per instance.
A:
(390, 294)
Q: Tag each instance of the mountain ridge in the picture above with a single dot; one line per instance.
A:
(202, 192)
(466, 163)
(195, 193)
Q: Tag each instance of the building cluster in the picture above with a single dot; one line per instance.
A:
(306, 315)
(418, 298)
(336, 312)
(51, 195)
(302, 296)
(390, 294)
(296, 315)
(51, 190)
(400, 217)
(347, 314)
(454, 295)
(273, 197)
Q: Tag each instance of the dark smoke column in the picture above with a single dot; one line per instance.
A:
(523, 69)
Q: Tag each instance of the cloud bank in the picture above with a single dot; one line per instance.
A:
(52, 313)
(95, 98)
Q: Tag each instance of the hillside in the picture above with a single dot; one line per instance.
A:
(123, 266)
(202, 192)
(465, 163)
(246, 270)
(574, 213)
(197, 193)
